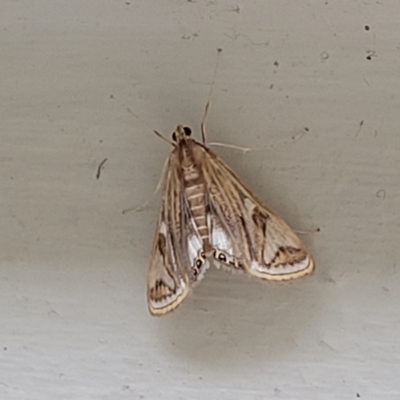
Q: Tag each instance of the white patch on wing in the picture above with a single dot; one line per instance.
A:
(250, 206)
(195, 245)
(221, 240)
(222, 243)
(163, 228)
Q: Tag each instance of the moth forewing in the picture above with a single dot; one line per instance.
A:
(168, 281)
(271, 250)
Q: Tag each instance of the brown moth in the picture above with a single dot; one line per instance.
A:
(208, 213)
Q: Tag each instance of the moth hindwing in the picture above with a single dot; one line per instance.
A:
(208, 213)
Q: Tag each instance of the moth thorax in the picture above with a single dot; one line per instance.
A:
(190, 172)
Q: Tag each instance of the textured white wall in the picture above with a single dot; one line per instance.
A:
(74, 321)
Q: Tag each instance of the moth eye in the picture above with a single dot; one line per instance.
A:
(202, 254)
(199, 263)
(174, 137)
(222, 257)
(187, 131)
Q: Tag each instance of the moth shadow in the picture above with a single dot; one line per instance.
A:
(229, 318)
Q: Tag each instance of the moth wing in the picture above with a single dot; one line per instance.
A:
(176, 261)
(168, 281)
(246, 235)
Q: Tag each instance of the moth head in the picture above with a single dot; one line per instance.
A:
(181, 133)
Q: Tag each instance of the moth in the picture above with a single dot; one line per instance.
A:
(207, 213)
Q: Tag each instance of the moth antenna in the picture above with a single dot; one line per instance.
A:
(164, 138)
(203, 130)
(293, 139)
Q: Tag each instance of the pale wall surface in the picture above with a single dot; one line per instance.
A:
(74, 320)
